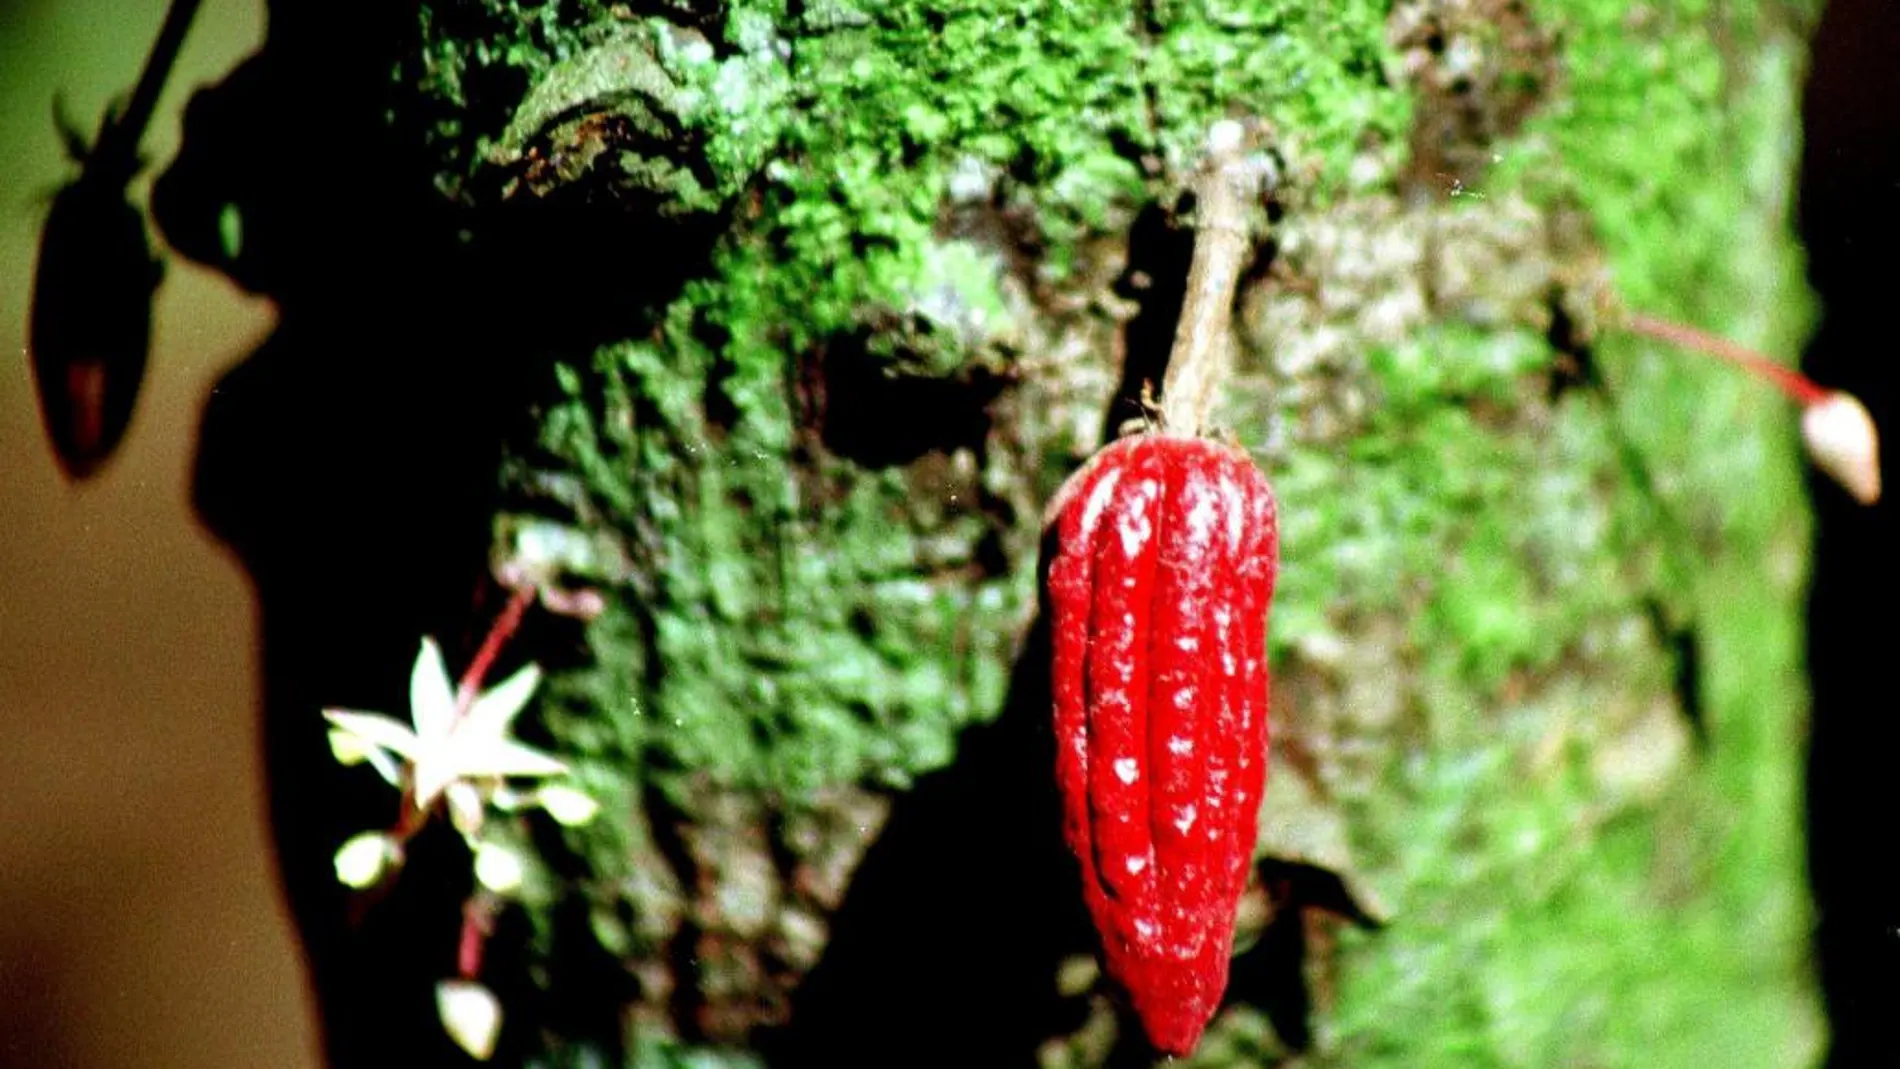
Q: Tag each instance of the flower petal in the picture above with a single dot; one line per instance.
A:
(477, 757)
(497, 707)
(465, 806)
(375, 729)
(431, 694)
(432, 775)
(384, 765)
(349, 748)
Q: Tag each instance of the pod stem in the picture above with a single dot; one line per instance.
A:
(1836, 429)
(1222, 240)
(122, 130)
(478, 923)
(1798, 387)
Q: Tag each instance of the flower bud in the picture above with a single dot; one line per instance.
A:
(471, 1015)
(362, 861)
(1841, 440)
(498, 868)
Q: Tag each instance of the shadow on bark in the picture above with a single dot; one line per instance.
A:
(949, 940)
(350, 464)
(350, 461)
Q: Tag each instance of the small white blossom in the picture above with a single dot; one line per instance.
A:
(444, 752)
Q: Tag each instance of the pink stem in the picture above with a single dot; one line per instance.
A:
(478, 921)
(498, 636)
(411, 820)
(1798, 387)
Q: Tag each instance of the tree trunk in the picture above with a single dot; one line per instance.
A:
(775, 326)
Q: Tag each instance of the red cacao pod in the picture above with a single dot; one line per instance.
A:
(1164, 562)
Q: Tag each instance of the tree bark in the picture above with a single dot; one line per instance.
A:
(775, 326)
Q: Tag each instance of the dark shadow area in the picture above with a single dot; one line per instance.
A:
(1850, 219)
(347, 462)
(1683, 644)
(350, 461)
(1271, 974)
(859, 398)
(31, 971)
(92, 320)
(1158, 256)
(948, 942)
(91, 323)
(687, 1002)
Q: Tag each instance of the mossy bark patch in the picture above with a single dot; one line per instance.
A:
(808, 485)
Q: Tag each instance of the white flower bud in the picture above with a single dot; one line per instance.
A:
(465, 807)
(1842, 442)
(361, 862)
(348, 748)
(568, 806)
(471, 1015)
(498, 868)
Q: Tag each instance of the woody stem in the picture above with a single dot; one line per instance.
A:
(1798, 387)
(1221, 243)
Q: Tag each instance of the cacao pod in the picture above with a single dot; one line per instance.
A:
(1162, 569)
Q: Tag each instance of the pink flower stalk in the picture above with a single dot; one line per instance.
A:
(1836, 428)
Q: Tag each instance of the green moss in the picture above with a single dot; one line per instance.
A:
(1060, 100)
(866, 112)
(803, 638)
(1561, 900)
(784, 668)
(1571, 882)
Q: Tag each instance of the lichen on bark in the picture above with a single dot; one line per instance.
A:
(934, 243)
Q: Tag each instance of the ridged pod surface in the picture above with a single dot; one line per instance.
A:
(1163, 568)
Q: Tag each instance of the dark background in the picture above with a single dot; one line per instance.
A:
(139, 925)
(1850, 219)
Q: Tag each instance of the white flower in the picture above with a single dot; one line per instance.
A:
(446, 753)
